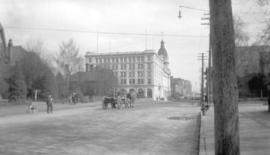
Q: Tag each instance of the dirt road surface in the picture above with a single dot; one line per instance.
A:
(156, 128)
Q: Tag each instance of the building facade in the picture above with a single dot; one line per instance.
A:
(252, 64)
(145, 72)
(181, 88)
(9, 54)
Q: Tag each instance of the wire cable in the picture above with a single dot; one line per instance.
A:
(103, 32)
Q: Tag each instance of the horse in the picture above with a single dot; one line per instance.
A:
(109, 100)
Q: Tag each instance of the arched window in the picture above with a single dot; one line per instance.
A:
(132, 90)
(140, 93)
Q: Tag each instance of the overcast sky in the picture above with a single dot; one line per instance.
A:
(123, 16)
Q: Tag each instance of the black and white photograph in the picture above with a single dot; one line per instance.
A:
(134, 77)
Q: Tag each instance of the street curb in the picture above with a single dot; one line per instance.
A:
(201, 141)
(198, 132)
(205, 139)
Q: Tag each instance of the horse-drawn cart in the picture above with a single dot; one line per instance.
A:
(109, 100)
(119, 102)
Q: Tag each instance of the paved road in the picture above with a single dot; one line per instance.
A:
(164, 128)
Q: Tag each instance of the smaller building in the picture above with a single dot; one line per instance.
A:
(15, 53)
(252, 66)
(180, 88)
(9, 54)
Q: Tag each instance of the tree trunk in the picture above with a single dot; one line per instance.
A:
(225, 92)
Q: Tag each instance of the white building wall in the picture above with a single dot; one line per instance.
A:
(160, 81)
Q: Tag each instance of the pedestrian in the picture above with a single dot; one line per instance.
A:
(128, 97)
(119, 102)
(31, 107)
(49, 104)
(268, 96)
(133, 98)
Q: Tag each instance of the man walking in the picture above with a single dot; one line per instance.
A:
(268, 96)
(49, 104)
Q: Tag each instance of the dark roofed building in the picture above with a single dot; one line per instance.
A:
(16, 53)
(2, 45)
(9, 54)
(252, 59)
(12, 54)
(252, 62)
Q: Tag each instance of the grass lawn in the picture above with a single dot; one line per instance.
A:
(145, 129)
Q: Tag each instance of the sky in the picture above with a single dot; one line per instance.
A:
(54, 21)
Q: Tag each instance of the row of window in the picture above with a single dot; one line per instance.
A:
(133, 81)
(132, 74)
(124, 66)
(120, 59)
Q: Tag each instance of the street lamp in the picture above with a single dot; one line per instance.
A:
(191, 8)
(179, 14)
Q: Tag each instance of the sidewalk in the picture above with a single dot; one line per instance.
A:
(254, 130)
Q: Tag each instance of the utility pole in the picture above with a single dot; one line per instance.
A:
(207, 23)
(225, 92)
(209, 74)
(202, 57)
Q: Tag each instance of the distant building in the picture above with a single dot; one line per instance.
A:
(251, 61)
(3, 45)
(15, 53)
(145, 72)
(180, 88)
(9, 54)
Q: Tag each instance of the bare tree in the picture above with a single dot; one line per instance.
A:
(38, 47)
(225, 92)
(68, 59)
(263, 2)
(241, 37)
(264, 38)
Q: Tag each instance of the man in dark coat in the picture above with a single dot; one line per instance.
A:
(49, 104)
(268, 96)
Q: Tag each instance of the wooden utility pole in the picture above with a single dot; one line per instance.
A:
(225, 92)
(202, 58)
(209, 74)
(202, 82)
(209, 79)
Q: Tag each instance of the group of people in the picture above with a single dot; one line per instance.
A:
(120, 101)
(126, 100)
(74, 98)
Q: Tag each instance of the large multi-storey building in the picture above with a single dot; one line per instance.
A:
(145, 72)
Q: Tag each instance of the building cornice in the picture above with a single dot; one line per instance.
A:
(121, 53)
